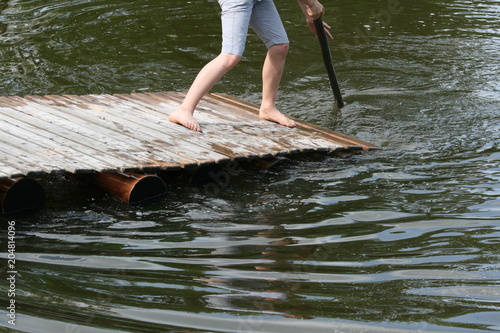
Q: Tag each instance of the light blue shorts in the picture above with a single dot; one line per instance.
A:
(261, 15)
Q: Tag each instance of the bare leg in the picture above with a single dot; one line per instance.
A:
(271, 77)
(206, 79)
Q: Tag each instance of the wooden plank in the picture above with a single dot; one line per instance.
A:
(17, 155)
(205, 110)
(18, 102)
(150, 112)
(122, 141)
(203, 107)
(270, 136)
(231, 150)
(183, 140)
(56, 135)
(291, 139)
(130, 132)
(112, 148)
(57, 157)
(17, 162)
(148, 131)
(7, 171)
(345, 140)
(14, 159)
(223, 106)
(192, 142)
(272, 142)
(75, 150)
(224, 144)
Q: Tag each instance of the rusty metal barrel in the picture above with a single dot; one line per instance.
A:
(20, 194)
(128, 187)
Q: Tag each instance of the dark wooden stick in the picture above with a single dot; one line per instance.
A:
(327, 58)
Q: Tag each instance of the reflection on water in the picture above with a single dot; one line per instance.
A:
(401, 240)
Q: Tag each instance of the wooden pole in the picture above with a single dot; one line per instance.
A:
(128, 187)
(327, 59)
(20, 194)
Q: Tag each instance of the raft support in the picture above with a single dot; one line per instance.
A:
(20, 194)
(128, 187)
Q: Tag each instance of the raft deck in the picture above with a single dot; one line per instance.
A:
(131, 133)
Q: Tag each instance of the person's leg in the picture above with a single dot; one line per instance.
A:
(205, 80)
(267, 24)
(271, 78)
(235, 20)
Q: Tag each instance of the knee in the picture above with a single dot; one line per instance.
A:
(230, 60)
(280, 50)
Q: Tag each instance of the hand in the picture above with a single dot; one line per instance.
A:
(311, 25)
(315, 10)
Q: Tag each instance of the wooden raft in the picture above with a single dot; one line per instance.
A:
(131, 133)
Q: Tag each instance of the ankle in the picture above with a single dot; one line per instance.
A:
(268, 108)
(185, 110)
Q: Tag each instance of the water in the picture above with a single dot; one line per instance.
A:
(405, 239)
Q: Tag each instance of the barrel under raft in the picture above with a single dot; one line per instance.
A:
(20, 194)
(128, 187)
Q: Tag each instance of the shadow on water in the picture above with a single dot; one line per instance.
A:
(404, 239)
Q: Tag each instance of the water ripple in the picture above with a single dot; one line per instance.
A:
(400, 240)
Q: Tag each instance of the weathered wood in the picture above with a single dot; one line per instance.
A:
(191, 142)
(148, 129)
(68, 134)
(346, 141)
(144, 139)
(111, 146)
(230, 148)
(264, 134)
(25, 165)
(131, 133)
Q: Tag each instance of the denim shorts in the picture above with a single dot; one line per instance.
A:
(261, 15)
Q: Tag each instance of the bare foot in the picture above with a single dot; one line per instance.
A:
(275, 116)
(185, 119)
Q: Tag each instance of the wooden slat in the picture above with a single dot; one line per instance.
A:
(131, 132)
(19, 162)
(50, 144)
(15, 152)
(349, 142)
(79, 133)
(269, 136)
(190, 141)
(56, 134)
(230, 149)
(295, 138)
(142, 128)
(7, 171)
(121, 141)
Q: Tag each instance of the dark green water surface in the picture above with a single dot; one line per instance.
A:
(401, 240)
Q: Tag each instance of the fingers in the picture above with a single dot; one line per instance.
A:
(327, 31)
(312, 27)
(327, 28)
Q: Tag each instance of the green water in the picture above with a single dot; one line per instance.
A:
(401, 240)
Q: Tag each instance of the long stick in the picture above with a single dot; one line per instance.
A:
(327, 58)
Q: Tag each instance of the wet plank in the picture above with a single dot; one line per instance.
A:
(131, 132)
